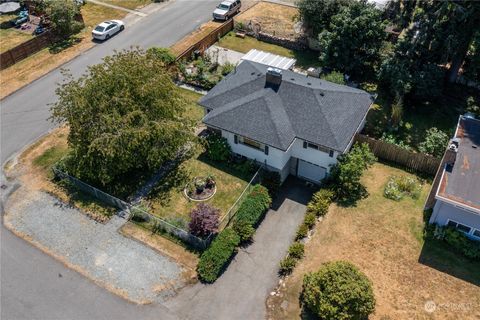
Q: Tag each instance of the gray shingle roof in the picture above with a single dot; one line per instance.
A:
(308, 108)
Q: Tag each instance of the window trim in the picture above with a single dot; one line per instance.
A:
(469, 232)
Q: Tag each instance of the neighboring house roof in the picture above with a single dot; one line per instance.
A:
(303, 107)
(460, 181)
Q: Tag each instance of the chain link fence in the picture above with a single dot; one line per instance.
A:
(138, 215)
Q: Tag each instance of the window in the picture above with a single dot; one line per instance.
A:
(110, 27)
(266, 150)
(317, 147)
(251, 143)
(459, 226)
(476, 233)
(331, 153)
(235, 139)
(312, 146)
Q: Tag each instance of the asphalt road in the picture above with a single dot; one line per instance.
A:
(34, 285)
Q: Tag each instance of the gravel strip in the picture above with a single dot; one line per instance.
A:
(132, 269)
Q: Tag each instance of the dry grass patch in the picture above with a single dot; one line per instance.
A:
(194, 37)
(129, 4)
(42, 62)
(34, 169)
(384, 239)
(275, 19)
(11, 37)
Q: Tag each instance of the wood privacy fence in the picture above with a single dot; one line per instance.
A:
(25, 49)
(417, 162)
(203, 44)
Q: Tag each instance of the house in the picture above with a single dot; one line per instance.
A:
(457, 192)
(293, 123)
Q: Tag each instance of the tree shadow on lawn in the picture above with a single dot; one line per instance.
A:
(175, 179)
(438, 255)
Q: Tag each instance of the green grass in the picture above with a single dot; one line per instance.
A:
(46, 160)
(305, 59)
(10, 38)
(193, 111)
(169, 202)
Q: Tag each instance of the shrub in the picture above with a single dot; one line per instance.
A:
(218, 148)
(301, 232)
(271, 181)
(310, 220)
(254, 206)
(338, 290)
(398, 187)
(335, 77)
(218, 255)
(346, 174)
(163, 54)
(461, 243)
(287, 265)
(62, 15)
(296, 250)
(435, 143)
(244, 229)
(320, 202)
(203, 220)
(227, 68)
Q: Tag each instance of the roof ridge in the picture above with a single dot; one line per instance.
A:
(278, 110)
(324, 117)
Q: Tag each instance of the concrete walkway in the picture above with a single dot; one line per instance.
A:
(241, 291)
(138, 13)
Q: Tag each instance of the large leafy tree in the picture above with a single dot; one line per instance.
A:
(438, 38)
(317, 14)
(63, 17)
(353, 39)
(124, 115)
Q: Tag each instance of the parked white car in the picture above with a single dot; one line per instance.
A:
(106, 29)
(227, 9)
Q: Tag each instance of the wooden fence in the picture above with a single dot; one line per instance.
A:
(417, 162)
(203, 44)
(25, 49)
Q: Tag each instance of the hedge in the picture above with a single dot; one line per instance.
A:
(461, 243)
(254, 206)
(214, 260)
(320, 202)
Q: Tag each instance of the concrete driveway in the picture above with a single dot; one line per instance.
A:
(241, 291)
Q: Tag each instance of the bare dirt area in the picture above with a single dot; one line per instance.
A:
(384, 239)
(271, 18)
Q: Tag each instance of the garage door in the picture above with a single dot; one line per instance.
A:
(311, 171)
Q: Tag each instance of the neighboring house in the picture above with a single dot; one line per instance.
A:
(457, 192)
(293, 123)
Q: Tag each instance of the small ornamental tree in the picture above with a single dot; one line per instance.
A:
(338, 290)
(203, 220)
(218, 148)
(346, 174)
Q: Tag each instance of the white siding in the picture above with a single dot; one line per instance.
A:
(442, 212)
(317, 157)
(276, 158)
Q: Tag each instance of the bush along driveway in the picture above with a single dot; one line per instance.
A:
(241, 291)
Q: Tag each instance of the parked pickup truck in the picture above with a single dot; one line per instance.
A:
(227, 9)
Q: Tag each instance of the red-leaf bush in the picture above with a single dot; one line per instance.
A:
(203, 220)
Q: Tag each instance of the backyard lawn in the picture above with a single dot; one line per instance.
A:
(169, 202)
(305, 58)
(11, 37)
(384, 239)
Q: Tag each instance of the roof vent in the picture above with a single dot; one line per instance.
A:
(322, 94)
(273, 77)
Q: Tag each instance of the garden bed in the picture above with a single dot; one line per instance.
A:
(168, 200)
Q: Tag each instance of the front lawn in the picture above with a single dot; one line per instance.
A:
(305, 58)
(169, 202)
(384, 238)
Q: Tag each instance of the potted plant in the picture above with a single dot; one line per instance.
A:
(210, 181)
(200, 185)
